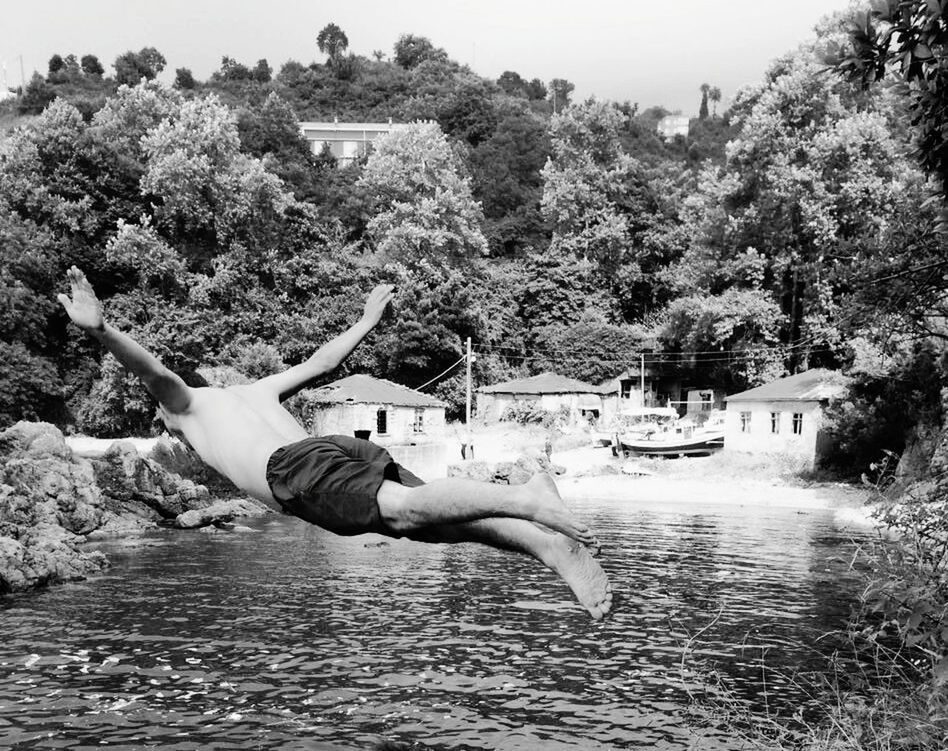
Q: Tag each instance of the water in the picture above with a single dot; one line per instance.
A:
(291, 638)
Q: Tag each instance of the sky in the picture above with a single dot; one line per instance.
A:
(655, 52)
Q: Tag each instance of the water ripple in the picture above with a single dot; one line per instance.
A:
(294, 638)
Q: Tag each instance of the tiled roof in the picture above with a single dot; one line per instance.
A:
(810, 386)
(545, 383)
(368, 390)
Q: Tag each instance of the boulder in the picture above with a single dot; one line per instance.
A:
(221, 513)
(123, 474)
(51, 501)
(506, 473)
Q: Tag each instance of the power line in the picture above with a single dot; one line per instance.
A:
(463, 358)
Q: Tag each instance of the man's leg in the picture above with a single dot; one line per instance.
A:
(568, 558)
(455, 500)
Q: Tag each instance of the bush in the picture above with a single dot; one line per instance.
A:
(531, 413)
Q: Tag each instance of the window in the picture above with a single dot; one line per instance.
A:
(381, 422)
(774, 422)
(418, 425)
(745, 422)
(706, 400)
(797, 423)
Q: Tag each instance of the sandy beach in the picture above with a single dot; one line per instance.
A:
(588, 472)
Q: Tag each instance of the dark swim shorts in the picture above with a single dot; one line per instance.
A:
(332, 481)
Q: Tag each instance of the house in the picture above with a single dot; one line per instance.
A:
(674, 125)
(548, 392)
(347, 141)
(631, 389)
(374, 408)
(784, 416)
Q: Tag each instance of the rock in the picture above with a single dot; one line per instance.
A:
(33, 439)
(125, 475)
(221, 512)
(506, 473)
(44, 559)
(177, 458)
(51, 501)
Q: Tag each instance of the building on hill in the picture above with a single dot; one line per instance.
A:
(783, 417)
(549, 392)
(347, 141)
(674, 125)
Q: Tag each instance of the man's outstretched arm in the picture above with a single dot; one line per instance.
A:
(85, 310)
(328, 357)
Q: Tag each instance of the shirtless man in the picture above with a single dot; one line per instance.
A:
(343, 484)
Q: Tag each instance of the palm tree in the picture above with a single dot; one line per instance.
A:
(703, 109)
(714, 94)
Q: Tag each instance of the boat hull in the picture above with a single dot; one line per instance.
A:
(698, 446)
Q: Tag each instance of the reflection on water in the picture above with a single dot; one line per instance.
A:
(291, 638)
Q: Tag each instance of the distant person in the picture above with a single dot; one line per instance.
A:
(347, 485)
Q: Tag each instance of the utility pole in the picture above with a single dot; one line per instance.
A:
(22, 77)
(470, 447)
(642, 375)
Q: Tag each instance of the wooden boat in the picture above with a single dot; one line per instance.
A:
(681, 438)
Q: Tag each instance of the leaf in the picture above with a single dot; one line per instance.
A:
(922, 52)
(941, 672)
(934, 7)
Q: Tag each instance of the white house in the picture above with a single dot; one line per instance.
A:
(674, 125)
(346, 141)
(783, 417)
(378, 409)
(547, 391)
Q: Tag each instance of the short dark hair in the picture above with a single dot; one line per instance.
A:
(193, 379)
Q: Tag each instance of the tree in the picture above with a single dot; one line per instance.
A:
(37, 94)
(332, 41)
(411, 50)
(184, 79)
(56, 65)
(594, 194)
(814, 184)
(908, 41)
(91, 66)
(262, 72)
(511, 83)
(714, 94)
(424, 206)
(132, 67)
(560, 90)
(703, 109)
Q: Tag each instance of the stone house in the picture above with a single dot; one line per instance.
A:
(380, 410)
(784, 417)
(548, 391)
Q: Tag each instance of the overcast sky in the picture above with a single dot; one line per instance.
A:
(655, 52)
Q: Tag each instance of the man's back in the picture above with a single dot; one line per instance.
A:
(236, 430)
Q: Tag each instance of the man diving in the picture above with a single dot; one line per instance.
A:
(347, 485)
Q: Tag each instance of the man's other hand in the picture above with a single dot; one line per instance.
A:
(377, 300)
(84, 308)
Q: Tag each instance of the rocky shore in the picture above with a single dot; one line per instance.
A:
(53, 500)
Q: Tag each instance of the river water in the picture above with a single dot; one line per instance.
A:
(288, 637)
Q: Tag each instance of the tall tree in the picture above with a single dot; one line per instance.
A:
(703, 109)
(425, 210)
(132, 67)
(714, 94)
(560, 90)
(332, 41)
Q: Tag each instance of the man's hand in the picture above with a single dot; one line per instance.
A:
(375, 303)
(84, 308)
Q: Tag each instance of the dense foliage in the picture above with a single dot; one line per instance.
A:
(557, 235)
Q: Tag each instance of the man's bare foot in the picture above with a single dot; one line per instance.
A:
(544, 505)
(581, 572)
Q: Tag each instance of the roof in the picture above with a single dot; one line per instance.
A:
(810, 386)
(365, 389)
(545, 383)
